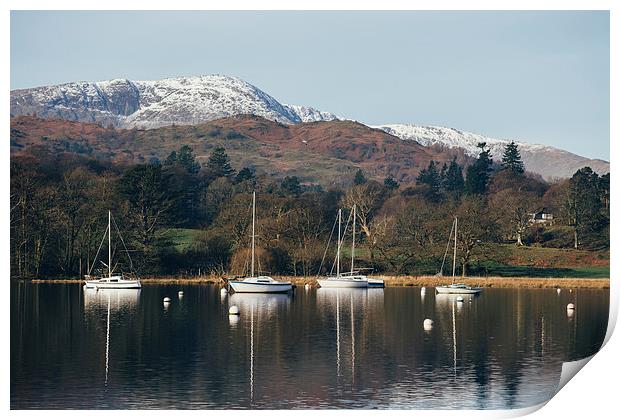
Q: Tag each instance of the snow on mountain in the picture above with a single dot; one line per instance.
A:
(547, 161)
(450, 137)
(309, 114)
(194, 100)
(150, 104)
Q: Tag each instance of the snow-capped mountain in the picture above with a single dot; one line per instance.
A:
(149, 104)
(196, 100)
(309, 114)
(547, 161)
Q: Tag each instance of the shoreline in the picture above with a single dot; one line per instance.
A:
(396, 281)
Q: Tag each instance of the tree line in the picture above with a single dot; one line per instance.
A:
(182, 217)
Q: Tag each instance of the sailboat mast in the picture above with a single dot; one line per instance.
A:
(456, 225)
(109, 243)
(339, 243)
(353, 242)
(253, 228)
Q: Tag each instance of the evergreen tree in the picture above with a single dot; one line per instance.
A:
(583, 203)
(431, 178)
(391, 183)
(245, 174)
(511, 159)
(171, 159)
(183, 158)
(478, 174)
(186, 159)
(453, 181)
(218, 164)
(291, 186)
(359, 178)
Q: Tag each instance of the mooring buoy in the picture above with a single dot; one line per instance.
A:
(459, 298)
(570, 307)
(167, 300)
(234, 310)
(428, 324)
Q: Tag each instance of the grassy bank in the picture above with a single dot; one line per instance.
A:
(391, 281)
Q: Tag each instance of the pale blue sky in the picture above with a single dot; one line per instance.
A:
(541, 77)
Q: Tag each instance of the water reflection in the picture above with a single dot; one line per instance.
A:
(260, 311)
(268, 304)
(118, 299)
(318, 348)
(113, 300)
(360, 304)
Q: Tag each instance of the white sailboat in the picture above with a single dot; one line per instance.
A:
(111, 281)
(372, 282)
(258, 284)
(346, 280)
(457, 288)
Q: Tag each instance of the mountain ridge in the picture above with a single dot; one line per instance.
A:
(195, 100)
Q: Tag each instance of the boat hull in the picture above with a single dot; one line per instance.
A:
(121, 284)
(251, 287)
(335, 282)
(375, 283)
(457, 291)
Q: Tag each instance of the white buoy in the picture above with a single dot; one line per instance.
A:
(233, 319)
(167, 300)
(428, 324)
(234, 310)
(423, 291)
(558, 290)
(180, 294)
(307, 286)
(570, 307)
(459, 298)
(223, 292)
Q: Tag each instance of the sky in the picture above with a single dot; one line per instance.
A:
(540, 77)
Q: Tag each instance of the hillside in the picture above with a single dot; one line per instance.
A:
(318, 152)
(197, 100)
(549, 162)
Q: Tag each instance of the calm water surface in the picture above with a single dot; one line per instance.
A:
(73, 348)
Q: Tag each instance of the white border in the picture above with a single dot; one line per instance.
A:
(591, 394)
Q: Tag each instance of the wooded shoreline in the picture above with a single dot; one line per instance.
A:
(393, 281)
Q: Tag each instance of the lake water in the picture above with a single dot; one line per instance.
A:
(73, 348)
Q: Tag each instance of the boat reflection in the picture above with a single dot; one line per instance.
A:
(268, 304)
(95, 300)
(450, 303)
(336, 302)
(445, 300)
(112, 300)
(257, 310)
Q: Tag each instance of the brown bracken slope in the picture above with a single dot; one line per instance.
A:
(319, 152)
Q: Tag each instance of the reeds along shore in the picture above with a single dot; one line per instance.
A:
(391, 281)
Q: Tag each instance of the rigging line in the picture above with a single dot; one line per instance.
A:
(123, 242)
(344, 231)
(327, 247)
(447, 248)
(246, 263)
(97, 254)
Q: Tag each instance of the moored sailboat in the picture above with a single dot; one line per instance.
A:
(456, 288)
(111, 281)
(344, 280)
(258, 284)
